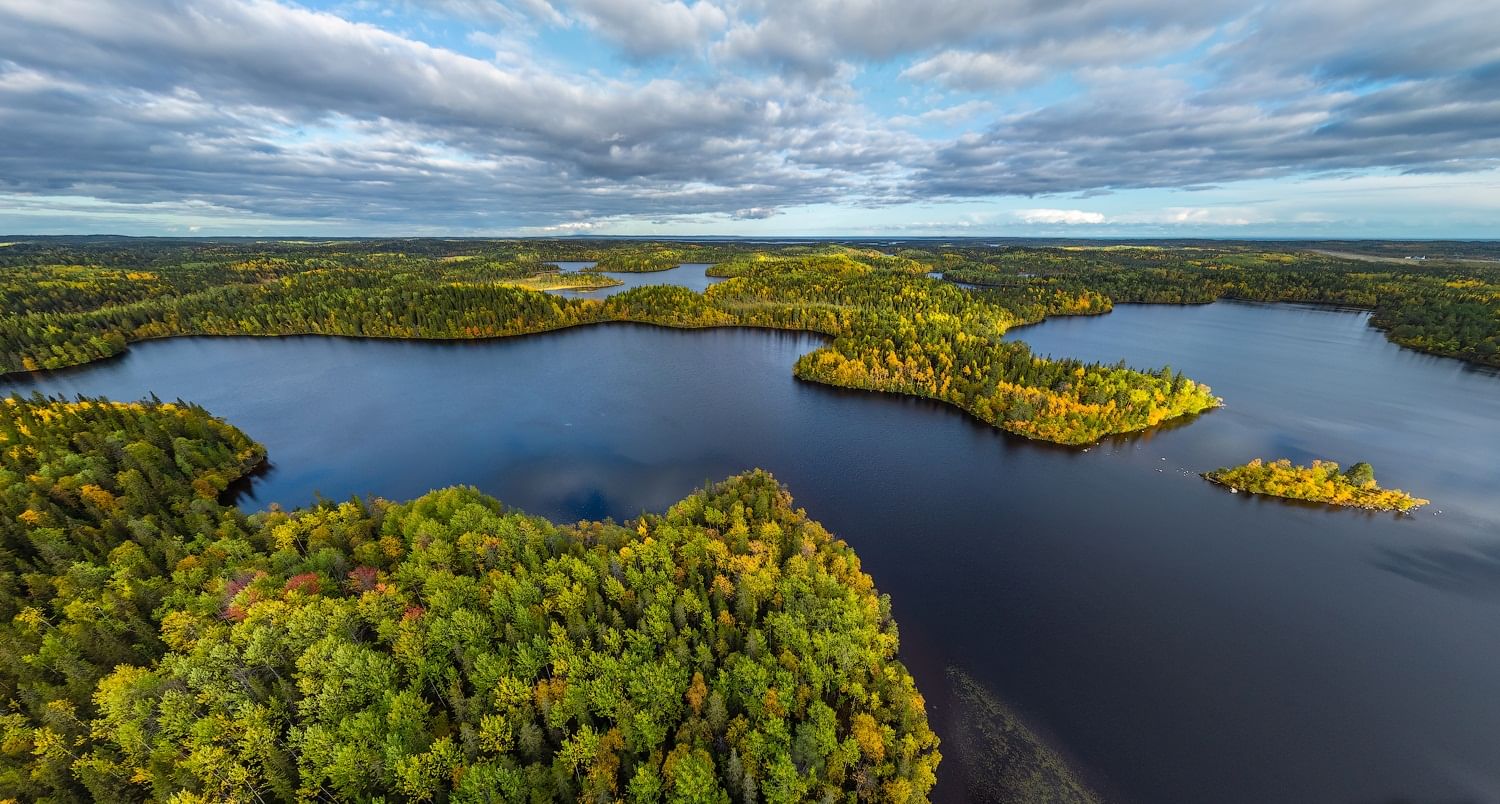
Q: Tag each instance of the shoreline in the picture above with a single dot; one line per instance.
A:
(1311, 500)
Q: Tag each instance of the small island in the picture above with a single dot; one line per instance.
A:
(1321, 482)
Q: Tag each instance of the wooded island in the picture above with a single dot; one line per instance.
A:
(1321, 482)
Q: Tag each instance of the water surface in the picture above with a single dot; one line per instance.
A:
(691, 275)
(1180, 643)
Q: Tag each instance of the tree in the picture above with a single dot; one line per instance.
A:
(1361, 474)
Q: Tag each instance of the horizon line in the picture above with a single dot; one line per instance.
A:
(14, 238)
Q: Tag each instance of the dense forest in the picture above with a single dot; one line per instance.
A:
(160, 645)
(896, 330)
(99, 503)
(1321, 482)
(894, 327)
(1447, 308)
(157, 644)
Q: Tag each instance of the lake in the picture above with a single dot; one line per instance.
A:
(1178, 643)
(691, 275)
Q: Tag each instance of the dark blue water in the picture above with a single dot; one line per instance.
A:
(1181, 644)
(690, 275)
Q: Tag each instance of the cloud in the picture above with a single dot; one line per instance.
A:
(647, 29)
(273, 113)
(282, 111)
(1203, 215)
(569, 227)
(1151, 128)
(947, 115)
(1063, 216)
(755, 213)
(1014, 66)
(968, 70)
(812, 35)
(495, 12)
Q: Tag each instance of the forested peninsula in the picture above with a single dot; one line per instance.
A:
(159, 645)
(893, 328)
(1321, 482)
(1448, 307)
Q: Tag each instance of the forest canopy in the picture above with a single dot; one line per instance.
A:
(894, 327)
(1320, 482)
(161, 645)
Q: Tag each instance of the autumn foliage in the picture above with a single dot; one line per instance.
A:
(162, 646)
(1320, 482)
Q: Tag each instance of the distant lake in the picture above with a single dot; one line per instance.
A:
(1179, 643)
(691, 275)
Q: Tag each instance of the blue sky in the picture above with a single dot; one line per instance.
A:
(1099, 118)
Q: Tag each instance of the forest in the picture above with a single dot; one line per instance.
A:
(1320, 482)
(899, 321)
(893, 329)
(159, 645)
(1444, 307)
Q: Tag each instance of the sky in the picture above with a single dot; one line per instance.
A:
(900, 118)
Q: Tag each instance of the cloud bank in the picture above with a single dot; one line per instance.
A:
(488, 116)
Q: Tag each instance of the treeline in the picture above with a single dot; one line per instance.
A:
(1321, 482)
(897, 332)
(894, 330)
(325, 302)
(647, 260)
(161, 646)
(1444, 308)
(207, 253)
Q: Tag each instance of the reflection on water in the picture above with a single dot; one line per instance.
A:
(1181, 643)
(690, 275)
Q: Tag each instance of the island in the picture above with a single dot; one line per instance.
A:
(890, 327)
(1322, 482)
(162, 645)
(895, 323)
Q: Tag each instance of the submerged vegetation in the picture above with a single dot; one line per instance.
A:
(1003, 760)
(159, 645)
(1321, 482)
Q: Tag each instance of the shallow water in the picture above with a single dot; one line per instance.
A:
(1180, 643)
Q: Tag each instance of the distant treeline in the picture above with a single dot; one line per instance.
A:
(893, 328)
(1446, 308)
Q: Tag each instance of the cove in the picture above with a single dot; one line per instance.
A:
(1178, 643)
(690, 275)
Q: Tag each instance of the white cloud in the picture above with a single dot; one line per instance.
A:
(946, 115)
(968, 70)
(653, 28)
(755, 213)
(1063, 216)
(1207, 216)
